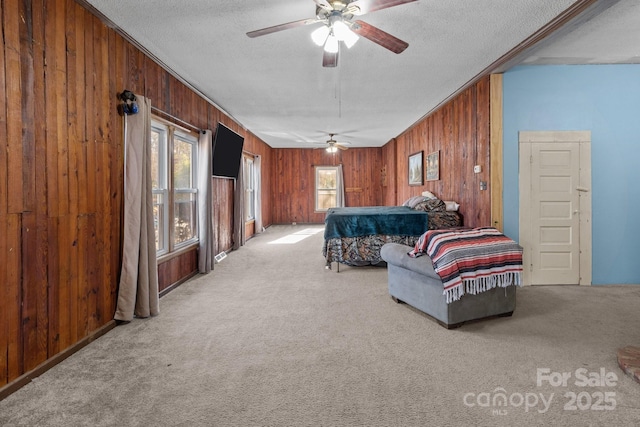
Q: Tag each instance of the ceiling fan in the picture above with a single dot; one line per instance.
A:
(333, 145)
(336, 17)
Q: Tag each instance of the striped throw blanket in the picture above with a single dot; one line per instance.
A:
(472, 260)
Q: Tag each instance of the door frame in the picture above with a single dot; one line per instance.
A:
(583, 138)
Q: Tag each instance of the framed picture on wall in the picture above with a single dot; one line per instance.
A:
(433, 166)
(416, 176)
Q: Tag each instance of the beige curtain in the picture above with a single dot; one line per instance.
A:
(340, 184)
(205, 199)
(138, 290)
(238, 209)
(257, 167)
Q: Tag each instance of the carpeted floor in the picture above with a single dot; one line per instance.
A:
(271, 338)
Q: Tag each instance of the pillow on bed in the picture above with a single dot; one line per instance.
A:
(429, 195)
(413, 201)
(451, 206)
(431, 205)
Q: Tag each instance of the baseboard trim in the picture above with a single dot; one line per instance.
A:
(26, 378)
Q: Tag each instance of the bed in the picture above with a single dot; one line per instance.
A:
(354, 236)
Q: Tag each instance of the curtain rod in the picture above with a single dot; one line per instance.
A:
(187, 124)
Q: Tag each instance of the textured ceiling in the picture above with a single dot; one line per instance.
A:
(613, 37)
(276, 87)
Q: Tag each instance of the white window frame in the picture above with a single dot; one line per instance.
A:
(317, 190)
(192, 189)
(168, 134)
(162, 190)
(249, 188)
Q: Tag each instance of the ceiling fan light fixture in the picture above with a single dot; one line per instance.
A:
(331, 45)
(344, 33)
(332, 149)
(319, 35)
(340, 30)
(351, 39)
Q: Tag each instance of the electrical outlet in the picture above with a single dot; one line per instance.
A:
(477, 169)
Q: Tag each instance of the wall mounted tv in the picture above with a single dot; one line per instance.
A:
(227, 152)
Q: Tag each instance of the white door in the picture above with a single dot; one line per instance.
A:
(555, 207)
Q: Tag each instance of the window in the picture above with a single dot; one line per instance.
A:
(173, 174)
(184, 189)
(249, 189)
(326, 187)
(160, 186)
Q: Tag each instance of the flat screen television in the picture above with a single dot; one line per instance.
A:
(227, 152)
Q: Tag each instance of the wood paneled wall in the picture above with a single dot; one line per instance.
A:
(61, 173)
(293, 181)
(176, 270)
(60, 181)
(389, 173)
(460, 129)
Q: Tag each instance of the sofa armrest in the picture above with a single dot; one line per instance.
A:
(396, 254)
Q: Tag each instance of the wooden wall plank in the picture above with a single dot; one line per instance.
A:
(104, 99)
(29, 294)
(94, 280)
(4, 165)
(12, 303)
(5, 319)
(65, 297)
(13, 93)
(82, 275)
(85, 162)
(27, 103)
(71, 303)
(40, 163)
(53, 279)
(53, 175)
(389, 172)
(117, 72)
(58, 51)
(496, 147)
(482, 131)
(102, 255)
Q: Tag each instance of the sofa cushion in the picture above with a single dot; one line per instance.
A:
(396, 254)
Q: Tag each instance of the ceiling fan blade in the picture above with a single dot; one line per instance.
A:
(330, 59)
(282, 27)
(324, 4)
(340, 147)
(378, 36)
(368, 6)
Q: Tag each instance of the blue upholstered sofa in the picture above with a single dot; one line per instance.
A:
(415, 282)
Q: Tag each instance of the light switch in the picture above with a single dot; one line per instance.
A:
(477, 169)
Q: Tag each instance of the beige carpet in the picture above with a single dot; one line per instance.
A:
(271, 338)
